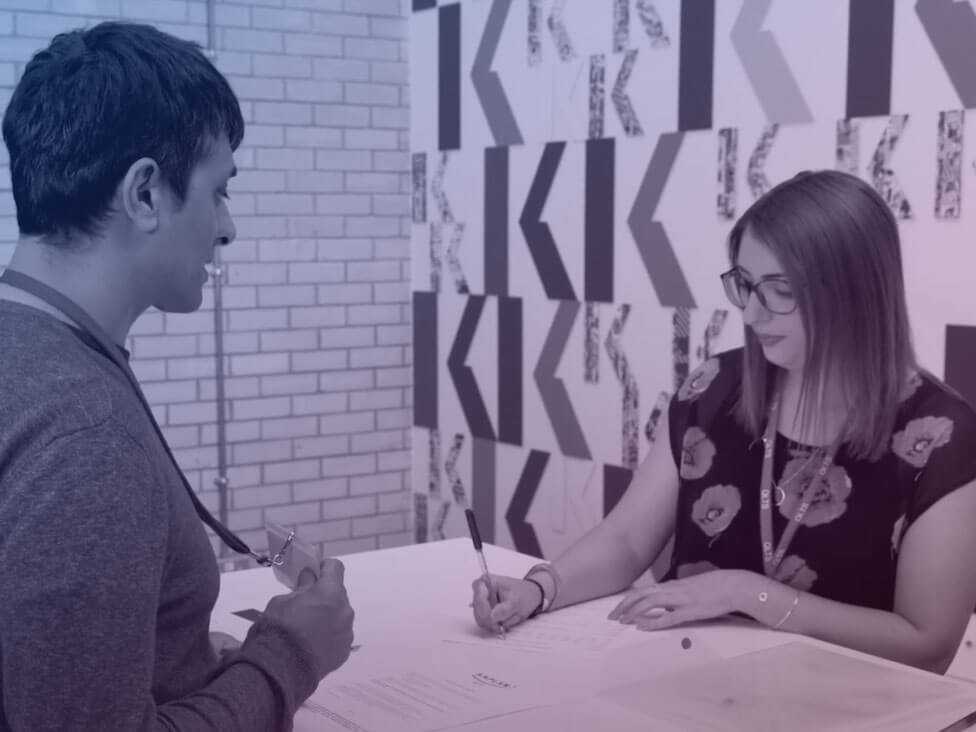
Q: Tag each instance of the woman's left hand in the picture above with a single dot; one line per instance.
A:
(667, 604)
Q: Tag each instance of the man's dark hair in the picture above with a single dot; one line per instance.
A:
(93, 103)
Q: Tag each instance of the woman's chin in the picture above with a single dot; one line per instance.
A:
(775, 355)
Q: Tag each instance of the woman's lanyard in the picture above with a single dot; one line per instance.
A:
(771, 558)
(88, 325)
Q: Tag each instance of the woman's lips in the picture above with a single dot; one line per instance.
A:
(768, 340)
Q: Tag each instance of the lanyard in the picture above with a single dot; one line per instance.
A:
(87, 324)
(771, 558)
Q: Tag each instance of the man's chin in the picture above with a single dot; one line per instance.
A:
(185, 305)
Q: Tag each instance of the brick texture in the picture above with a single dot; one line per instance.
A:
(315, 288)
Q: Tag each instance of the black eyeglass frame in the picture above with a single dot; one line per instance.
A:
(729, 283)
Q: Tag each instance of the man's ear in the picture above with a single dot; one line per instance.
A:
(141, 194)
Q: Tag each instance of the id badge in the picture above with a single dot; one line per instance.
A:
(289, 555)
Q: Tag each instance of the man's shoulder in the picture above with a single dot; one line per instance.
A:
(50, 382)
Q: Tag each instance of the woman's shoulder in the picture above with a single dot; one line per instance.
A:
(927, 393)
(705, 400)
(932, 415)
(716, 376)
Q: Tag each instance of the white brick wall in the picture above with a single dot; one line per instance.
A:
(317, 323)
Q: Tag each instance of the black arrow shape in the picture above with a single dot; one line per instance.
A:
(523, 534)
(541, 244)
(464, 382)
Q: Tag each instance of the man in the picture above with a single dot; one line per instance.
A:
(121, 142)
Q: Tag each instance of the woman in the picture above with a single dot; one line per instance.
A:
(816, 480)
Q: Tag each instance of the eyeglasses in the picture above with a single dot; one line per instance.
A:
(774, 292)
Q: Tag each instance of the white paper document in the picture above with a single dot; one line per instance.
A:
(578, 629)
(447, 686)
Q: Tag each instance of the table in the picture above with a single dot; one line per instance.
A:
(410, 600)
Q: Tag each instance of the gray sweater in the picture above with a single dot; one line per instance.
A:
(107, 578)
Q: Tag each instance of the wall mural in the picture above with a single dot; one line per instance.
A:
(576, 166)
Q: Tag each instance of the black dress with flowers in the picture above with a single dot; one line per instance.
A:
(847, 546)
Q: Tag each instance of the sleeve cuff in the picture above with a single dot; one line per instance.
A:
(291, 671)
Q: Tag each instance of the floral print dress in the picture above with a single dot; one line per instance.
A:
(847, 546)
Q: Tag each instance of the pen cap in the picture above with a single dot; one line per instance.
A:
(473, 528)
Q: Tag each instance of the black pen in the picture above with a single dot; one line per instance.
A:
(476, 539)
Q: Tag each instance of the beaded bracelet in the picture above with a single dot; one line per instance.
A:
(796, 601)
(764, 596)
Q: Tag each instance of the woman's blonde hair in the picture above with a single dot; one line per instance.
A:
(837, 242)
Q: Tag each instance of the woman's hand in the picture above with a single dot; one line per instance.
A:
(516, 600)
(667, 604)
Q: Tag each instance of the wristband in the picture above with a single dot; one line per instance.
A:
(543, 605)
(554, 576)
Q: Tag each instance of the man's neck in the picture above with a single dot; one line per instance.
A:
(84, 277)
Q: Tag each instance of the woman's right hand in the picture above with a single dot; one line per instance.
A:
(517, 599)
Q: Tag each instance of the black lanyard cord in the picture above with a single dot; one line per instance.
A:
(88, 325)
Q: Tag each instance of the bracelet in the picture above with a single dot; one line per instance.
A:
(553, 574)
(542, 602)
(796, 601)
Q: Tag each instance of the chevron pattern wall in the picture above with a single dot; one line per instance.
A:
(577, 165)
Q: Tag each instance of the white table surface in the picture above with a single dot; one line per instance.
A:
(409, 597)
